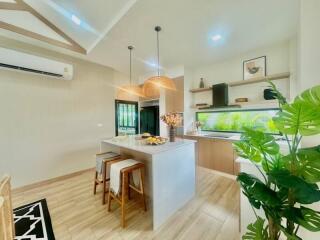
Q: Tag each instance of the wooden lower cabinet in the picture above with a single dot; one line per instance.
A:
(222, 156)
(205, 153)
(216, 154)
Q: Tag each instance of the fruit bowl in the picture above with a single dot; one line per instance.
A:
(146, 135)
(156, 140)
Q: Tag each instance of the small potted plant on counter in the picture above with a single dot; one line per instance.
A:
(173, 120)
(288, 183)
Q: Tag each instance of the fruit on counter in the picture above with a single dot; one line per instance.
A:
(146, 135)
(157, 140)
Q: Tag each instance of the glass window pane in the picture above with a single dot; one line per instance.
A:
(236, 120)
(126, 113)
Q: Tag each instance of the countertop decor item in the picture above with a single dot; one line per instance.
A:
(130, 88)
(198, 126)
(201, 85)
(269, 94)
(254, 68)
(159, 81)
(173, 120)
(287, 187)
(237, 100)
(201, 104)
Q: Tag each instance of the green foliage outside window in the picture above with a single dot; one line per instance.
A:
(238, 120)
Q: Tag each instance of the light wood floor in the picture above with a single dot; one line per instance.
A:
(77, 214)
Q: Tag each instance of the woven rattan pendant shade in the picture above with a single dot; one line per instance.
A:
(130, 88)
(159, 81)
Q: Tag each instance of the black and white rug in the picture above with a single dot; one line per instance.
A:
(33, 222)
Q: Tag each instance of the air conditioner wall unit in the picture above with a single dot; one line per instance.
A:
(18, 61)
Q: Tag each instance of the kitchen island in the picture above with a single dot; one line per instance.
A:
(170, 172)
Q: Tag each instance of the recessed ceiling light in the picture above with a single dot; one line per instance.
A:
(75, 19)
(216, 37)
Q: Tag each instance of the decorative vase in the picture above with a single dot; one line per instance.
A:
(172, 134)
(201, 85)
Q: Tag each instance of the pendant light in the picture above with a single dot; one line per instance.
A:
(158, 81)
(132, 89)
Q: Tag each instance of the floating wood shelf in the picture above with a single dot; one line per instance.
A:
(278, 76)
(262, 102)
(197, 107)
(196, 90)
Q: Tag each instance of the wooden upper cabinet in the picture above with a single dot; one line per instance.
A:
(174, 99)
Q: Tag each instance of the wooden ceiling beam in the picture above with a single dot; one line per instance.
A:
(21, 5)
(12, 6)
(39, 37)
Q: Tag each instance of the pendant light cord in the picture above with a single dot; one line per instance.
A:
(158, 53)
(130, 49)
(130, 67)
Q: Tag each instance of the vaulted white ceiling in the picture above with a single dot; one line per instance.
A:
(109, 26)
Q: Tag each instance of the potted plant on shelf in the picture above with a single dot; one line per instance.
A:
(289, 182)
(173, 120)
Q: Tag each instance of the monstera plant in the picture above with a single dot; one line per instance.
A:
(288, 182)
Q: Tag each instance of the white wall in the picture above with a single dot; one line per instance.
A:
(50, 127)
(230, 70)
(281, 58)
(309, 44)
(309, 52)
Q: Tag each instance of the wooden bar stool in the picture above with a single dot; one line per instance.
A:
(125, 187)
(106, 161)
(7, 229)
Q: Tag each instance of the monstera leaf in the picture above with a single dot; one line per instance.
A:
(265, 143)
(258, 147)
(309, 164)
(257, 190)
(245, 150)
(305, 217)
(303, 192)
(256, 231)
(300, 117)
(275, 163)
(311, 96)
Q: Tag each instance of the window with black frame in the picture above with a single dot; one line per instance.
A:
(126, 117)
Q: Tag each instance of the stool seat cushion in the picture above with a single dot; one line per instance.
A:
(115, 174)
(104, 157)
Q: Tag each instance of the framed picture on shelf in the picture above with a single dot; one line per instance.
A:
(256, 67)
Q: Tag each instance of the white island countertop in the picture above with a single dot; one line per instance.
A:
(215, 135)
(139, 145)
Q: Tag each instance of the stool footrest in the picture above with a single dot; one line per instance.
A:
(115, 197)
(136, 189)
